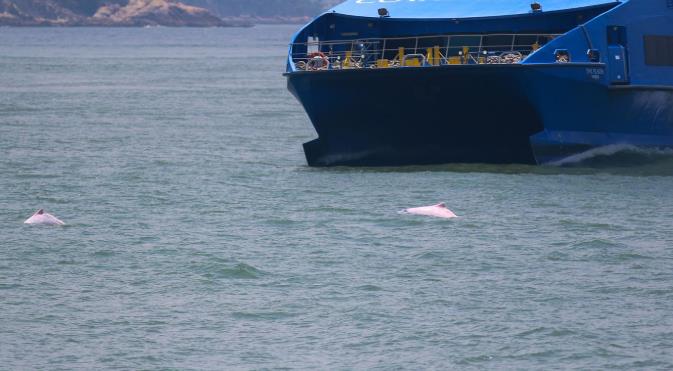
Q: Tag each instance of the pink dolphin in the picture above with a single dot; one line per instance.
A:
(438, 211)
(42, 218)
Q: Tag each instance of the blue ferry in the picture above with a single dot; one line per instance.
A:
(414, 82)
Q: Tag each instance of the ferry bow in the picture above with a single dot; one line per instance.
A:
(489, 81)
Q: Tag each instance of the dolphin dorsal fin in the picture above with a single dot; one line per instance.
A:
(442, 205)
(40, 212)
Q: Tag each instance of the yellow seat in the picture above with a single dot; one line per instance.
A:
(412, 62)
(455, 60)
(347, 60)
(382, 63)
(466, 54)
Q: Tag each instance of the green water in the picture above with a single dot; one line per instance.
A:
(198, 239)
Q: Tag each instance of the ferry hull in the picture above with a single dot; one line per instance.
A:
(473, 114)
(581, 115)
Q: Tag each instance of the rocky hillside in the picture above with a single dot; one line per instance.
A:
(265, 11)
(196, 13)
(154, 12)
(264, 8)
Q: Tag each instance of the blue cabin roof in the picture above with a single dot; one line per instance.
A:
(456, 8)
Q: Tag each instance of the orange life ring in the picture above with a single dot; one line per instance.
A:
(317, 54)
(317, 60)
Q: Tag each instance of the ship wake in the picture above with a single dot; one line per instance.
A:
(622, 156)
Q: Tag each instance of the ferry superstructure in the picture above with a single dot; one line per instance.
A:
(401, 82)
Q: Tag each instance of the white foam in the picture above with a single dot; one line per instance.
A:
(610, 150)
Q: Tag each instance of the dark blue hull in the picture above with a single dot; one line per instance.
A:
(474, 114)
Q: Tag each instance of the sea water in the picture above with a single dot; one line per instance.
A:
(197, 237)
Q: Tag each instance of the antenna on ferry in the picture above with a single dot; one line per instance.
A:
(536, 7)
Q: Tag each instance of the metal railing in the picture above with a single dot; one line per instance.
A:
(422, 51)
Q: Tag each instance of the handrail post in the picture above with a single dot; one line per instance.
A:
(513, 41)
(481, 44)
(383, 53)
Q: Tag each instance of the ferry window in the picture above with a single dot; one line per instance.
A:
(659, 50)
(617, 35)
(498, 42)
(457, 44)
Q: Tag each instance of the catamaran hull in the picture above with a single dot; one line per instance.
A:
(494, 114)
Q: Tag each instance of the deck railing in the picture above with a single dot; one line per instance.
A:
(423, 51)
